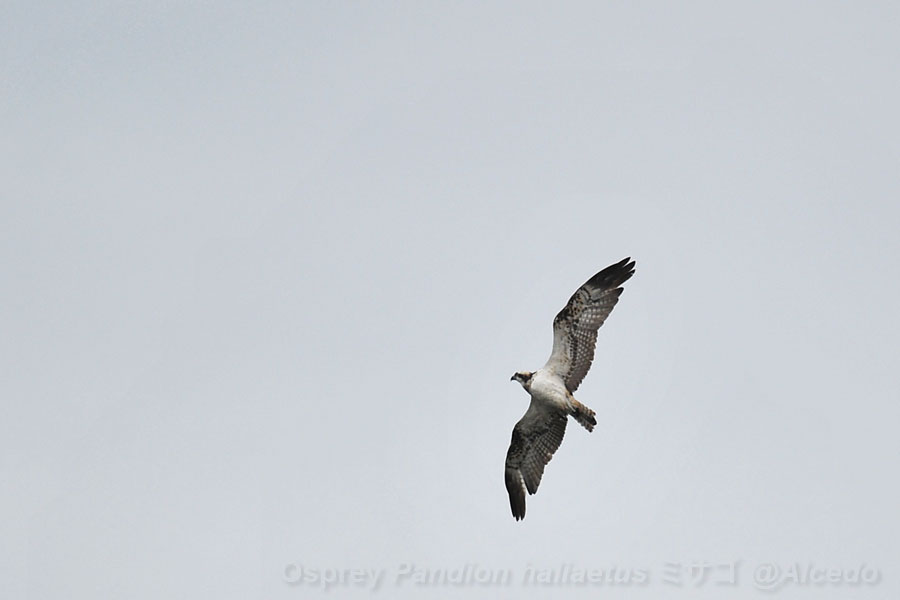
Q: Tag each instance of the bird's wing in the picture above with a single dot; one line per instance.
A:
(575, 327)
(535, 438)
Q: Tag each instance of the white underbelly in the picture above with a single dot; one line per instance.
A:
(550, 390)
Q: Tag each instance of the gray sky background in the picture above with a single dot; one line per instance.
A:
(267, 270)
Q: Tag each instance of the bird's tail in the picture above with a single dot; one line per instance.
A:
(583, 415)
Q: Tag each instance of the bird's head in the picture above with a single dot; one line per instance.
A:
(523, 377)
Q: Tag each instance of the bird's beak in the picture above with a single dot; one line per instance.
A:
(513, 378)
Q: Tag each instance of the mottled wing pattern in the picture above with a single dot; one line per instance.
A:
(575, 327)
(535, 438)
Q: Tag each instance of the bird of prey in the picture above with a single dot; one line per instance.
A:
(539, 432)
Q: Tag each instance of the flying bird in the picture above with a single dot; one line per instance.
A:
(540, 431)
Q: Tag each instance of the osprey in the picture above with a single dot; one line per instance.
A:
(539, 432)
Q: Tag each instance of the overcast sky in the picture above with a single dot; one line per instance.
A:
(267, 269)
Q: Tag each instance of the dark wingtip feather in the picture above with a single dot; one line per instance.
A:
(516, 494)
(614, 275)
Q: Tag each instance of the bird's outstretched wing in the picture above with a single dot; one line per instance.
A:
(575, 327)
(535, 438)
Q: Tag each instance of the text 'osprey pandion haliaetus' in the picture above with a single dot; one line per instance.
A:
(539, 432)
